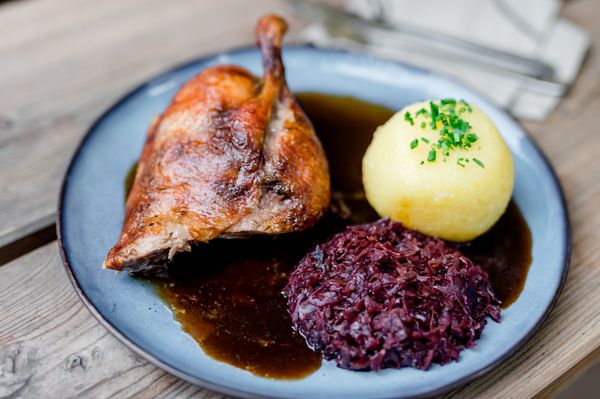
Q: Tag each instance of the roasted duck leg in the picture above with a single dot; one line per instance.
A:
(232, 155)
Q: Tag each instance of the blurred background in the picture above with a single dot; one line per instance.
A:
(63, 62)
(523, 55)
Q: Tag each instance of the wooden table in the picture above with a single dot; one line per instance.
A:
(63, 62)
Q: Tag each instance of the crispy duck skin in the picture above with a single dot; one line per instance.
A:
(232, 155)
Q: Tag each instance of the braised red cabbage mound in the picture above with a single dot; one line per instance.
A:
(379, 295)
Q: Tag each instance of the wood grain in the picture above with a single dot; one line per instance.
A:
(50, 345)
(561, 384)
(63, 62)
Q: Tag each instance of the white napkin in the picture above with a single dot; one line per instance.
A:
(532, 29)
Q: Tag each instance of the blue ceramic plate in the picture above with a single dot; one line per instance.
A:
(91, 214)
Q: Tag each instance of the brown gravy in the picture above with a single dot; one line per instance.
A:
(505, 254)
(226, 295)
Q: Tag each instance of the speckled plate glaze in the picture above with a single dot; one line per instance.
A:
(91, 213)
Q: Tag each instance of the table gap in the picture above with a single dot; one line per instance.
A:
(28, 243)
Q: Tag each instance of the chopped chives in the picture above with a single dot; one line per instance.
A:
(431, 155)
(434, 114)
(478, 162)
(466, 104)
(454, 132)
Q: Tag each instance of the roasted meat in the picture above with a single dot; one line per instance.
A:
(232, 155)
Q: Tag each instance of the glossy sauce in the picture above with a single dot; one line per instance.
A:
(505, 253)
(226, 295)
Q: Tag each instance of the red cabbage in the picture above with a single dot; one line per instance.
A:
(379, 295)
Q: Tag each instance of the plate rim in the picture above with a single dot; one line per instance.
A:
(114, 330)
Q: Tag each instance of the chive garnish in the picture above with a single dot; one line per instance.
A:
(466, 104)
(414, 144)
(422, 111)
(434, 114)
(478, 162)
(431, 156)
(454, 132)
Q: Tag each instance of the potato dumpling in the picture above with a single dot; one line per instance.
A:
(453, 181)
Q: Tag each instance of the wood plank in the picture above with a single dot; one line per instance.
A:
(561, 384)
(51, 345)
(65, 61)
